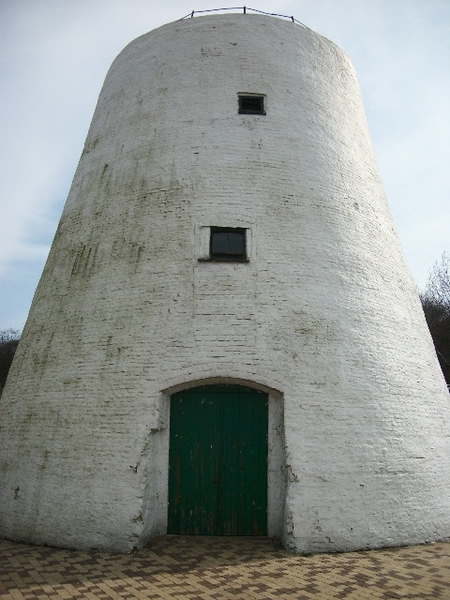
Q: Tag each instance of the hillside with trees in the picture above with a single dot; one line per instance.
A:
(436, 306)
(9, 340)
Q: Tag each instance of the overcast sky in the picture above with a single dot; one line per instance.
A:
(54, 58)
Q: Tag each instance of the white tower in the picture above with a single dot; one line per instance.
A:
(225, 338)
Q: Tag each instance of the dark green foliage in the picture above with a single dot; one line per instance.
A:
(436, 306)
(9, 340)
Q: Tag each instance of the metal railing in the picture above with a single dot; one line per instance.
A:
(245, 10)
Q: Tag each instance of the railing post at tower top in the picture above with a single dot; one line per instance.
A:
(245, 10)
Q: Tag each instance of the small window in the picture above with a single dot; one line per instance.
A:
(227, 244)
(251, 105)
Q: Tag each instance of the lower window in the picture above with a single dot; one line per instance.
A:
(227, 244)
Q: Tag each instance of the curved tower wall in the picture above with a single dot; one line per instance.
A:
(323, 315)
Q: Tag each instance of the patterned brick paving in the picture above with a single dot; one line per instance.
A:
(186, 568)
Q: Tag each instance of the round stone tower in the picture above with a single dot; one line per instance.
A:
(225, 339)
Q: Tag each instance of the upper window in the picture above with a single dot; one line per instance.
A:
(251, 105)
(227, 244)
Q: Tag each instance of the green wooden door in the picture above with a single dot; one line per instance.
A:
(218, 461)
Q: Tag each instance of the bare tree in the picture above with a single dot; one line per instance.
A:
(436, 306)
(438, 284)
(9, 340)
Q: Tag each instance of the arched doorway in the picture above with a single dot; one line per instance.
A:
(218, 461)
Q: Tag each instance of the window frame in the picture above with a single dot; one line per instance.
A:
(244, 111)
(228, 256)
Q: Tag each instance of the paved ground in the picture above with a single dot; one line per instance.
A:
(205, 568)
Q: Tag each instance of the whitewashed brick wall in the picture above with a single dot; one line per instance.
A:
(324, 316)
